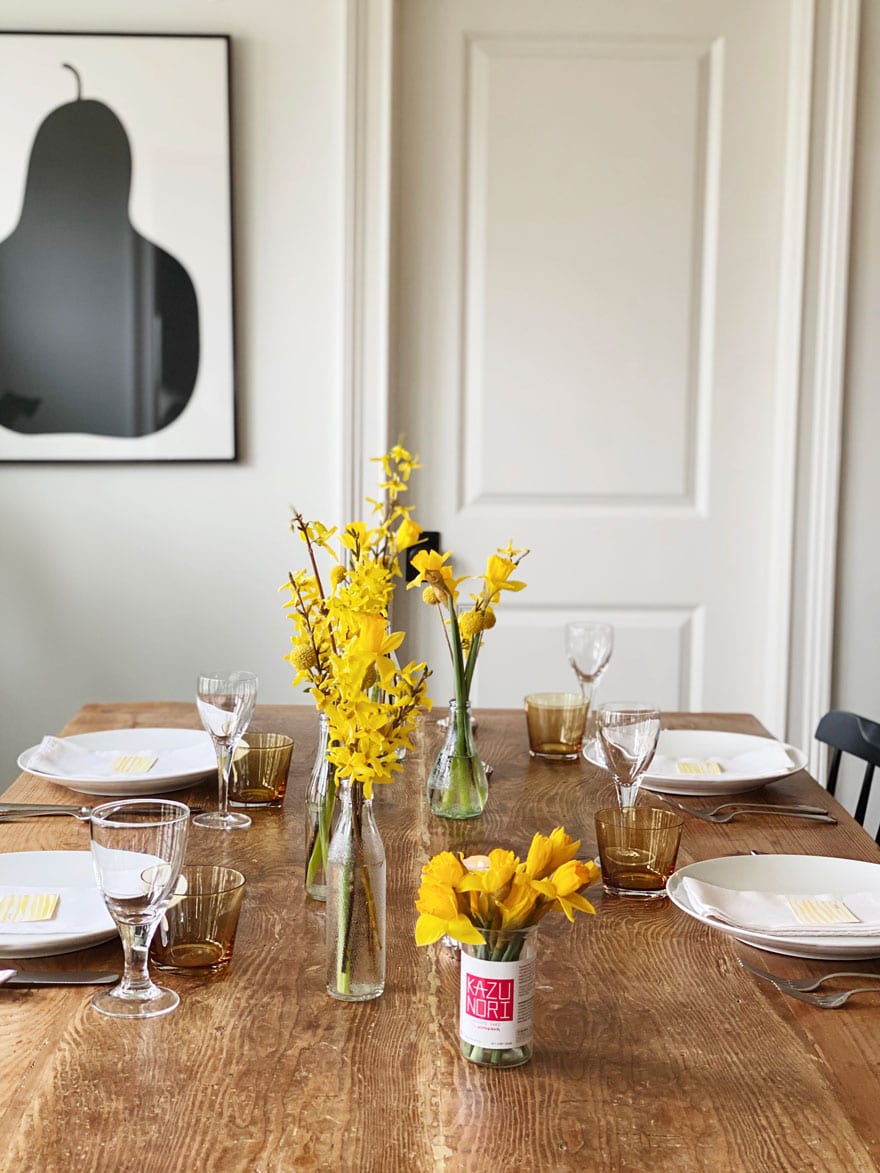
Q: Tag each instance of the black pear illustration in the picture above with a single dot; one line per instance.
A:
(99, 327)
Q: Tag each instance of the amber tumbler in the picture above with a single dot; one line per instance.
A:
(198, 929)
(556, 722)
(259, 770)
(638, 847)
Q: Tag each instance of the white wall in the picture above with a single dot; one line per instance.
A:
(123, 582)
(856, 682)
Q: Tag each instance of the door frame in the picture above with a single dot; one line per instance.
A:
(810, 359)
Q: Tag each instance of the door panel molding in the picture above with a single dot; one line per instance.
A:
(696, 69)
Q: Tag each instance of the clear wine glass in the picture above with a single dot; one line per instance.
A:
(137, 852)
(226, 704)
(628, 739)
(588, 647)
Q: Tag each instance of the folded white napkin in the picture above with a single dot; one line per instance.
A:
(64, 759)
(850, 914)
(753, 763)
(79, 910)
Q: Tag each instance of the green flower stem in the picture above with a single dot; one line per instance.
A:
(320, 843)
(462, 680)
(462, 782)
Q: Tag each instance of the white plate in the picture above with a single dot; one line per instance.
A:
(160, 779)
(703, 744)
(807, 874)
(54, 869)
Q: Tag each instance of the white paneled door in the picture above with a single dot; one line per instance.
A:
(598, 224)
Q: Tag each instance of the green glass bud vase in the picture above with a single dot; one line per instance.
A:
(457, 784)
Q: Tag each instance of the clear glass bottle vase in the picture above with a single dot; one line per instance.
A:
(355, 919)
(457, 784)
(320, 814)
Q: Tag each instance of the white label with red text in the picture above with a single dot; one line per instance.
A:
(495, 1008)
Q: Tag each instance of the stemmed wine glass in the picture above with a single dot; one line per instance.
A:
(137, 852)
(226, 704)
(628, 738)
(589, 647)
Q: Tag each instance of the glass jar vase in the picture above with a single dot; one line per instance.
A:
(355, 919)
(496, 997)
(457, 784)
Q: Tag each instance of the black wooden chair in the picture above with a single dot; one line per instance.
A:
(849, 733)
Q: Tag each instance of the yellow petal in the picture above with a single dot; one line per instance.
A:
(461, 929)
(429, 929)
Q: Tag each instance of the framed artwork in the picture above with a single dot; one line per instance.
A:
(116, 279)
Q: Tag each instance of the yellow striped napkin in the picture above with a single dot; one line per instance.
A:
(821, 910)
(27, 906)
(689, 766)
(133, 763)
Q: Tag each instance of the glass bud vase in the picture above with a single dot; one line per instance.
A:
(457, 784)
(496, 997)
(320, 810)
(355, 919)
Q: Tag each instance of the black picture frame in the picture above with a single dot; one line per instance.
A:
(117, 330)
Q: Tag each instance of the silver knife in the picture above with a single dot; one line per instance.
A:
(61, 977)
(25, 809)
(30, 810)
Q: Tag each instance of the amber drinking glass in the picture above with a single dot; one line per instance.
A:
(198, 929)
(259, 770)
(638, 847)
(556, 723)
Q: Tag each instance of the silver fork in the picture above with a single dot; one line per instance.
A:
(828, 1001)
(743, 805)
(732, 809)
(790, 985)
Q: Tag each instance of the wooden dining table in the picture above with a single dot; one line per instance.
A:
(653, 1049)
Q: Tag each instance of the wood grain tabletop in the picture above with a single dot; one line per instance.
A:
(653, 1050)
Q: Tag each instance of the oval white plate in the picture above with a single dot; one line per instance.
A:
(807, 874)
(159, 780)
(51, 869)
(704, 743)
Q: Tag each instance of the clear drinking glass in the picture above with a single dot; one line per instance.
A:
(137, 852)
(226, 703)
(628, 739)
(588, 647)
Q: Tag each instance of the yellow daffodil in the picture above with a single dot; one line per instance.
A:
(548, 852)
(567, 882)
(409, 533)
(439, 916)
(495, 877)
(445, 868)
(519, 904)
(497, 577)
(374, 644)
(495, 894)
(433, 571)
